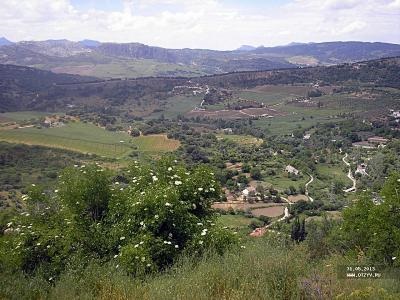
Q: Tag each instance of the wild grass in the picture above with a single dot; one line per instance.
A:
(268, 268)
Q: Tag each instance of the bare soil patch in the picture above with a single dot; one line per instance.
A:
(297, 198)
(273, 211)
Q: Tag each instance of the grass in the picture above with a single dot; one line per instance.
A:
(268, 268)
(155, 143)
(334, 172)
(178, 104)
(87, 138)
(281, 181)
(273, 94)
(297, 118)
(234, 221)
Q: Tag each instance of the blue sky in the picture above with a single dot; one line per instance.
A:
(213, 24)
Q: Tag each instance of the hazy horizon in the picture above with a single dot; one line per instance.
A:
(207, 24)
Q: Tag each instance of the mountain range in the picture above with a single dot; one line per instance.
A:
(117, 60)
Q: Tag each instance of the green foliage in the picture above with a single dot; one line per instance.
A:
(372, 227)
(298, 232)
(140, 226)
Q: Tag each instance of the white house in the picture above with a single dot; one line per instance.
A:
(292, 170)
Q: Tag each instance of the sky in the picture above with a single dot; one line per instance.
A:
(211, 24)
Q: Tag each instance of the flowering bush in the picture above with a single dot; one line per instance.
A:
(140, 225)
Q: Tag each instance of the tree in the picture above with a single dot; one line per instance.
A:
(255, 173)
(295, 232)
(374, 229)
(135, 132)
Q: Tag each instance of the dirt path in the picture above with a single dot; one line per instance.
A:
(311, 180)
(262, 230)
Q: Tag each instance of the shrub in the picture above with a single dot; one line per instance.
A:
(140, 226)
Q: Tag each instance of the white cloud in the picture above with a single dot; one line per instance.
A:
(204, 23)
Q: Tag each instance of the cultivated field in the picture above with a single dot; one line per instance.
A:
(88, 138)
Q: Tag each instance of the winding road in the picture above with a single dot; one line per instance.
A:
(349, 175)
(311, 180)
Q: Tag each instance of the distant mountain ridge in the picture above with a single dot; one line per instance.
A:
(4, 41)
(84, 56)
(246, 48)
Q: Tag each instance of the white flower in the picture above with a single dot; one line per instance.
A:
(177, 182)
(143, 258)
(148, 265)
(116, 255)
(137, 245)
(203, 232)
(200, 242)
(141, 243)
(176, 246)
(169, 169)
(155, 178)
(55, 191)
(156, 216)
(117, 183)
(38, 244)
(141, 223)
(117, 266)
(394, 257)
(122, 238)
(200, 189)
(243, 247)
(168, 204)
(212, 189)
(200, 224)
(33, 184)
(9, 224)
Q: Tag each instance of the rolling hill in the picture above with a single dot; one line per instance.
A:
(24, 88)
(113, 60)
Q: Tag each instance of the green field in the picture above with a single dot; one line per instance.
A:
(88, 138)
(273, 94)
(282, 182)
(177, 105)
(233, 221)
(298, 117)
(23, 115)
